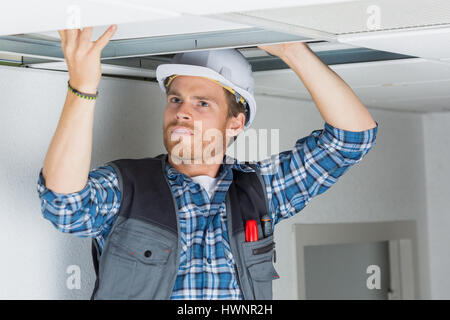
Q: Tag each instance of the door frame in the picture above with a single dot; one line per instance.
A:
(403, 256)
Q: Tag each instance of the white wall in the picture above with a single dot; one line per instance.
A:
(387, 185)
(437, 164)
(35, 255)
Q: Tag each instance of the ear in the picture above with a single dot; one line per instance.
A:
(236, 124)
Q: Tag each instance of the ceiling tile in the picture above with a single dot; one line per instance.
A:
(409, 84)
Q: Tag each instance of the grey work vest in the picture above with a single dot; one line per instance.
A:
(141, 255)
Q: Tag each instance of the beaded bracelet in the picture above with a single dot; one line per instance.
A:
(86, 96)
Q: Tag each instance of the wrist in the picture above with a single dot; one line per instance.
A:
(295, 52)
(81, 94)
(85, 88)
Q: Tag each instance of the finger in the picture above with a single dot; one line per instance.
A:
(101, 42)
(71, 36)
(85, 35)
(62, 36)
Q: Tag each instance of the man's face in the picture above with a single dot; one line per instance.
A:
(195, 120)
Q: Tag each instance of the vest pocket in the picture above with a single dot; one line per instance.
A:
(262, 275)
(134, 265)
(258, 260)
(116, 278)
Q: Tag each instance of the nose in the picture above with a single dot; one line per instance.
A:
(184, 112)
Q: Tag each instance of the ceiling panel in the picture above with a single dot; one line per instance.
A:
(22, 16)
(161, 27)
(359, 16)
(201, 7)
(369, 73)
(431, 43)
(411, 27)
(409, 84)
(30, 16)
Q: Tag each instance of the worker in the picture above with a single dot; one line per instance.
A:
(178, 225)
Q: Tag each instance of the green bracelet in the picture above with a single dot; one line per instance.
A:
(86, 96)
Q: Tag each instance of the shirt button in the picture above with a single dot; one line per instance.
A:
(209, 260)
(147, 253)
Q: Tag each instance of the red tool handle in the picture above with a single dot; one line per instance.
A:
(251, 231)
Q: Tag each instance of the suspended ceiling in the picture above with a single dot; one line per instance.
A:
(394, 54)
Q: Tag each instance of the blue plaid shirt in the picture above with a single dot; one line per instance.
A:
(206, 268)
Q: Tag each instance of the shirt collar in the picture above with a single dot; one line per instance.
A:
(228, 163)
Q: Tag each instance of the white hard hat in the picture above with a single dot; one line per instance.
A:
(228, 67)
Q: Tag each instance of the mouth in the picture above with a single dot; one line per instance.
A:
(180, 130)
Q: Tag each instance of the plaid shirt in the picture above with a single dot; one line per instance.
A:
(206, 268)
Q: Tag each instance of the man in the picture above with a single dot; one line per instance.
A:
(179, 226)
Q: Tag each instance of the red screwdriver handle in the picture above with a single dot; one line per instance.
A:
(251, 231)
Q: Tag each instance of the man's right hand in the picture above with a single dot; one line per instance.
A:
(83, 56)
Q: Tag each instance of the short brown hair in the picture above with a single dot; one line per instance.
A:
(234, 108)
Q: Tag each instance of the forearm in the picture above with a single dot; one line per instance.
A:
(312, 166)
(67, 163)
(337, 103)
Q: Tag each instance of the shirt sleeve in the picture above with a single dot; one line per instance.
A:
(315, 163)
(89, 212)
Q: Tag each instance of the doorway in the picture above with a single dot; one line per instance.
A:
(363, 261)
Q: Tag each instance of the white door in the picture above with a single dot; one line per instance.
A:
(347, 271)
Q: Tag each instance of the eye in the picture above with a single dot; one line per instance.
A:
(174, 98)
(204, 102)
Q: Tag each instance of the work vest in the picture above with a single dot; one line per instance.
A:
(141, 255)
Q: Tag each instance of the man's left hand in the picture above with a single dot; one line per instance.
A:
(282, 49)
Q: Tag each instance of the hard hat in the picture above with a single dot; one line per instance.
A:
(227, 67)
